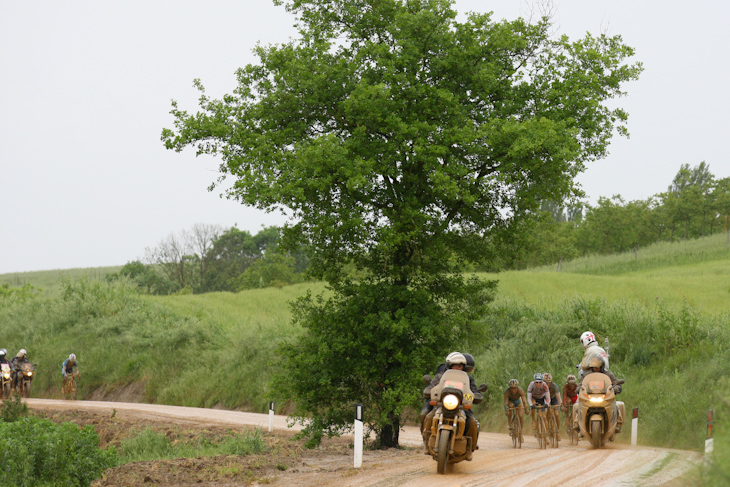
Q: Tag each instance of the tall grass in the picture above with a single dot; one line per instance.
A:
(51, 281)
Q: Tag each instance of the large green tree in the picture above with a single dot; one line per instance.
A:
(397, 138)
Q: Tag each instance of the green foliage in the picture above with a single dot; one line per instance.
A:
(146, 279)
(380, 339)
(272, 270)
(13, 409)
(36, 451)
(149, 445)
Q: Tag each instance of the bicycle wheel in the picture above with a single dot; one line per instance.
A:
(541, 432)
(517, 428)
(552, 430)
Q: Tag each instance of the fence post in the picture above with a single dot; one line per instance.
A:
(358, 435)
(709, 446)
(635, 427)
(271, 416)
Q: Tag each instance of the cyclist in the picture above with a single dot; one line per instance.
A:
(570, 396)
(538, 393)
(69, 367)
(555, 399)
(592, 350)
(514, 396)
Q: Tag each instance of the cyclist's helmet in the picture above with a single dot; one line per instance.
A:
(571, 379)
(547, 377)
(72, 357)
(455, 358)
(587, 338)
(538, 377)
(514, 383)
(470, 364)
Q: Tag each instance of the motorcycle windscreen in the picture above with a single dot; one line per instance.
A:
(452, 379)
(596, 383)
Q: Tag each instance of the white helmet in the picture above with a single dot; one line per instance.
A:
(455, 358)
(587, 338)
(72, 356)
(3, 351)
(22, 353)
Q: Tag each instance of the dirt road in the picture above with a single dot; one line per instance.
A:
(496, 463)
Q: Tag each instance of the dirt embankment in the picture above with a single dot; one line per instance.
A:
(287, 463)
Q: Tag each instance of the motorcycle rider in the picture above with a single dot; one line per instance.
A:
(555, 399)
(514, 396)
(598, 365)
(3, 356)
(592, 350)
(537, 393)
(455, 360)
(16, 364)
(470, 366)
(68, 367)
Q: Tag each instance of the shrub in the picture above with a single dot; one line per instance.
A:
(37, 451)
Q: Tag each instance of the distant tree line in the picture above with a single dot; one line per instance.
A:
(696, 204)
(208, 258)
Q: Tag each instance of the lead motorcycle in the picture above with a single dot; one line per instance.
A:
(451, 398)
(597, 410)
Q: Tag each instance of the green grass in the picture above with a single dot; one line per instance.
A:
(50, 281)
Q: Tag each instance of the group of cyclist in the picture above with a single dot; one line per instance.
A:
(68, 368)
(545, 396)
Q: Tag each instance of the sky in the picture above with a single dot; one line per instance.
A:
(86, 85)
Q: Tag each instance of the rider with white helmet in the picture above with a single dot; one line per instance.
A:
(17, 362)
(69, 366)
(592, 350)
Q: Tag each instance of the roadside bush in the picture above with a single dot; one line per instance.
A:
(36, 451)
(13, 409)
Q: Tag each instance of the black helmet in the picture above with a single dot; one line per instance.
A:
(470, 364)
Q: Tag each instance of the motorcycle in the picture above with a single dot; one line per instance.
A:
(6, 380)
(448, 443)
(597, 411)
(25, 376)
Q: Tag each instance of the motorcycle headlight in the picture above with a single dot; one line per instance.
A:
(451, 402)
(30, 373)
(7, 376)
(596, 399)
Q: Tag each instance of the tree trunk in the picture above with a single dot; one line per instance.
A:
(389, 434)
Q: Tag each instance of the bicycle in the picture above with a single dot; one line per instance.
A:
(552, 426)
(515, 427)
(571, 432)
(541, 428)
(70, 389)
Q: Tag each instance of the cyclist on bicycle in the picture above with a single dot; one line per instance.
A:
(69, 367)
(570, 396)
(555, 399)
(514, 396)
(538, 393)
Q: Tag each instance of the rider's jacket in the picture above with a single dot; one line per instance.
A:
(513, 397)
(570, 394)
(593, 351)
(478, 397)
(16, 362)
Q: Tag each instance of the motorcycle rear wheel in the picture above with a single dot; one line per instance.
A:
(596, 434)
(443, 453)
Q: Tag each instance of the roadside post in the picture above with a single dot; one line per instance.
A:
(635, 427)
(358, 435)
(709, 442)
(271, 416)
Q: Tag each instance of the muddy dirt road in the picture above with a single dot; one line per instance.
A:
(496, 463)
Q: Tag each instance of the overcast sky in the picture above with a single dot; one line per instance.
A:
(85, 90)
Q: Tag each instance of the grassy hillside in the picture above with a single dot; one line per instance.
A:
(665, 313)
(50, 281)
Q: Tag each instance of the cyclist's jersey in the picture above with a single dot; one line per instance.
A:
(514, 398)
(538, 393)
(554, 391)
(569, 395)
(69, 366)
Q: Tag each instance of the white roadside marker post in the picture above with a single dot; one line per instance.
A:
(635, 427)
(358, 435)
(271, 417)
(709, 442)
